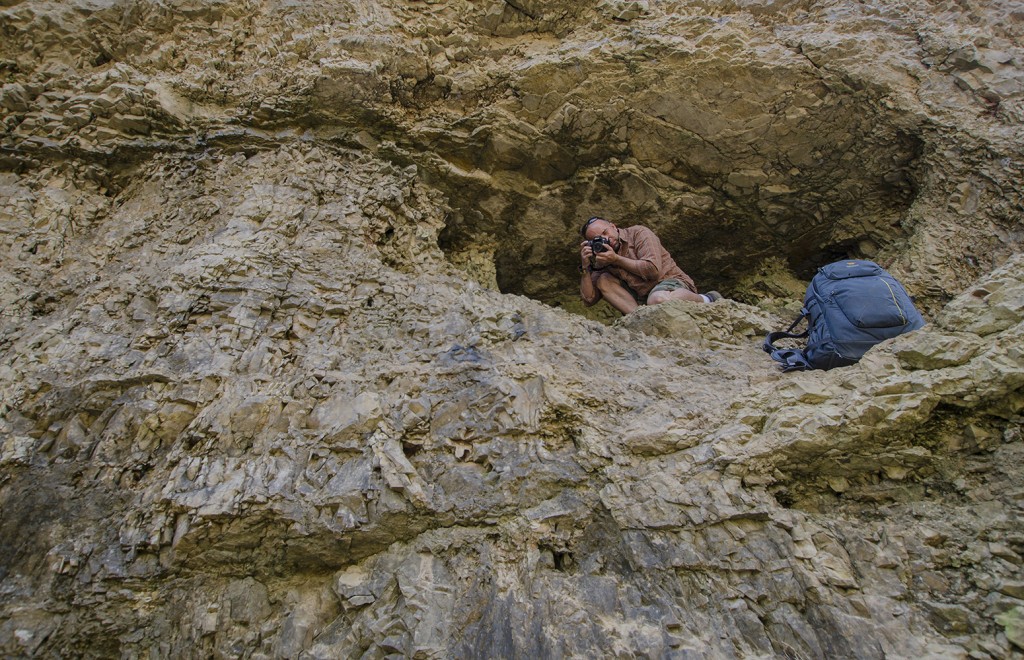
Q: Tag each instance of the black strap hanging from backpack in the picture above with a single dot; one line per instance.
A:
(792, 359)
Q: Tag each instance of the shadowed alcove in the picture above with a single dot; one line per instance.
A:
(739, 167)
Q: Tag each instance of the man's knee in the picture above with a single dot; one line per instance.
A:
(665, 295)
(606, 282)
(657, 297)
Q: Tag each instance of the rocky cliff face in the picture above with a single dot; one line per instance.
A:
(293, 363)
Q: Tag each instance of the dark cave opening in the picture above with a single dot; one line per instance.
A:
(840, 189)
(717, 247)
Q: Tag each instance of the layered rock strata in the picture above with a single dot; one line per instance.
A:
(293, 364)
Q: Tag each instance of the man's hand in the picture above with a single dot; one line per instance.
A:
(599, 260)
(585, 254)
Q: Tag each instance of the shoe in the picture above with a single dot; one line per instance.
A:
(714, 295)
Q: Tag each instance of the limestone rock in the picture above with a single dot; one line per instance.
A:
(293, 362)
(721, 323)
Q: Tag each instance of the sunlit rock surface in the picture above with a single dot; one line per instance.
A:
(293, 362)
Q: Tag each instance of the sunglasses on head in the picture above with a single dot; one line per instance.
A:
(583, 229)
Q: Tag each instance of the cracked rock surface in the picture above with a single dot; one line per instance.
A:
(293, 363)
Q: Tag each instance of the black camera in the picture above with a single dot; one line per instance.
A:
(597, 245)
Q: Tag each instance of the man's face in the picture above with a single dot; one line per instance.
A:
(605, 229)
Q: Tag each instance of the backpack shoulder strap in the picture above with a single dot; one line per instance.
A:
(792, 359)
(772, 337)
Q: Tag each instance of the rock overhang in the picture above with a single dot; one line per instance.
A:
(729, 166)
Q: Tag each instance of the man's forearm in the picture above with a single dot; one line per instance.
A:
(639, 267)
(588, 291)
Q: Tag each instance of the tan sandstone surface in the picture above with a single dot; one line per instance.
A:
(293, 362)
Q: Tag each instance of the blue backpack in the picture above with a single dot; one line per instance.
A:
(850, 307)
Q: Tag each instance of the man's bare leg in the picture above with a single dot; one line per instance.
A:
(616, 294)
(659, 297)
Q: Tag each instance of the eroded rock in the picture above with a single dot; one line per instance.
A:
(269, 389)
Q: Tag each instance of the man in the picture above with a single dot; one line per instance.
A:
(633, 269)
